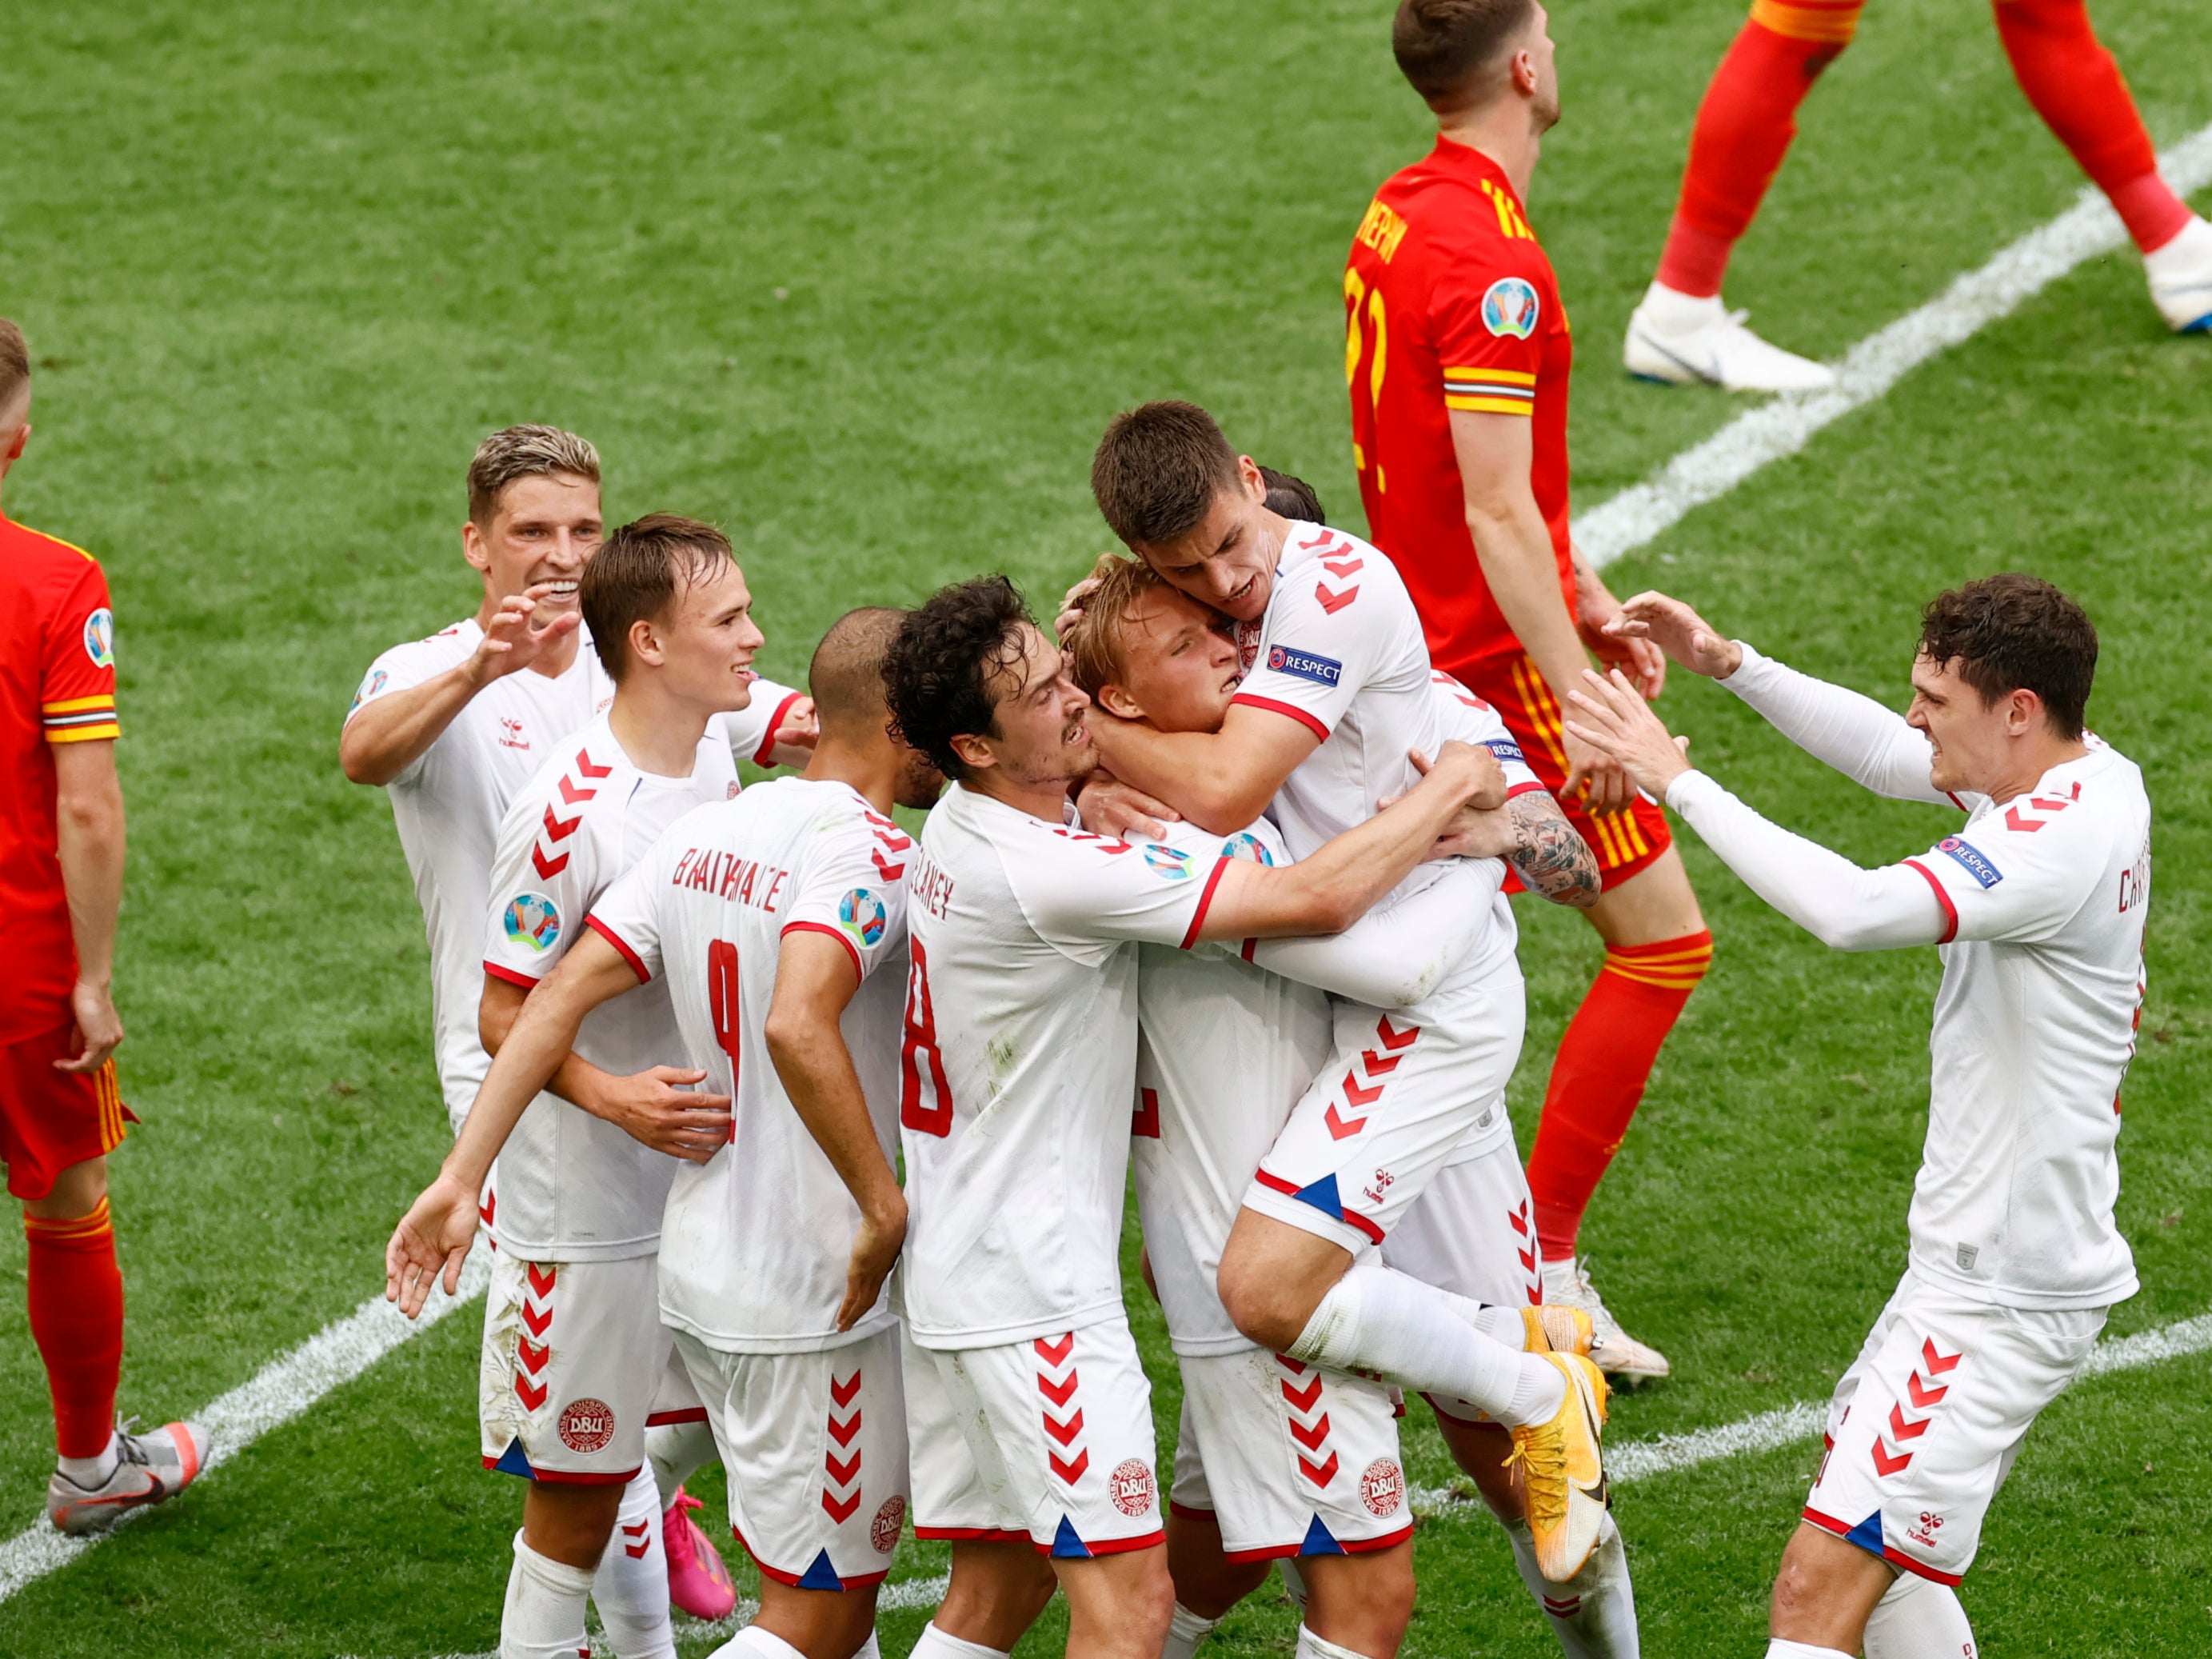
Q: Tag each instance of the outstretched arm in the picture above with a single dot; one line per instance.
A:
(1823, 892)
(1220, 780)
(1864, 741)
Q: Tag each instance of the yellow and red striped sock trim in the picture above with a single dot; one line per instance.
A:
(1673, 965)
(70, 1232)
(1830, 22)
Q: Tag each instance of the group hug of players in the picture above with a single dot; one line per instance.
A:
(1213, 881)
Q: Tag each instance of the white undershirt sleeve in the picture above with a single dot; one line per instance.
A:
(1396, 954)
(1853, 733)
(1823, 892)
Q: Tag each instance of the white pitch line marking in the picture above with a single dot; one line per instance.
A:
(1775, 430)
(286, 1386)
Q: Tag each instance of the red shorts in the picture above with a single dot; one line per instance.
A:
(50, 1120)
(1625, 842)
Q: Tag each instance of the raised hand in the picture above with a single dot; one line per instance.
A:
(513, 639)
(1656, 619)
(431, 1241)
(1614, 720)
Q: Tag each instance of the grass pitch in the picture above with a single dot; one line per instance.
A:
(863, 284)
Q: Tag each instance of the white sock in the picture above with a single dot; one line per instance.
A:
(1377, 1320)
(90, 1471)
(2179, 252)
(544, 1618)
(869, 1649)
(1778, 1648)
(1672, 309)
(1594, 1612)
(1186, 1629)
(934, 1644)
(1313, 1647)
(676, 1452)
(754, 1643)
(1918, 1619)
(631, 1587)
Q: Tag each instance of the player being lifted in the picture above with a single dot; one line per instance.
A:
(2038, 903)
(574, 1354)
(1276, 1459)
(1337, 689)
(61, 887)
(1028, 1411)
(1456, 353)
(1682, 332)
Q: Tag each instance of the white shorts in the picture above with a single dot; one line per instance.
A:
(1399, 1095)
(815, 1447)
(1925, 1424)
(1473, 1233)
(574, 1363)
(1048, 1440)
(1289, 1460)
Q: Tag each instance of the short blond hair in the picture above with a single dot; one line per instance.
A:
(1097, 641)
(14, 365)
(523, 452)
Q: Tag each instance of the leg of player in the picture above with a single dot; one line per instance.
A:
(1681, 332)
(630, 1588)
(998, 1589)
(565, 1529)
(2078, 90)
(1299, 1294)
(804, 1624)
(1208, 1583)
(1823, 1595)
(698, 1578)
(1656, 951)
(1357, 1604)
(76, 1293)
(1918, 1619)
(1119, 1607)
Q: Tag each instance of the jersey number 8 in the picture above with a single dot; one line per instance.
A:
(931, 1115)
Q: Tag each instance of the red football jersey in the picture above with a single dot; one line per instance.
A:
(57, 685)
(1449, 303)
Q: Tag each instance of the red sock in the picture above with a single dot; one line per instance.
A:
(1744, 127)
(2077, 89)
(1603, 1063)
(76, 1319)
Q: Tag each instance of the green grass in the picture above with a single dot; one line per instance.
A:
(864, 283)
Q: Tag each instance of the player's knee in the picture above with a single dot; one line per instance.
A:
(77, 1191)
(1269, 1307)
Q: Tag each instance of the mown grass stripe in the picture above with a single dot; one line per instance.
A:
(1780, 428)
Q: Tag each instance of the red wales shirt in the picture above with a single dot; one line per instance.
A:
(1450, 305)
(57, 685)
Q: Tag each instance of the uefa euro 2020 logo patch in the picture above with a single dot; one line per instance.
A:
(860, 914)
(369, 687)
(1249, 846)
(532, 919)
(99, 638)
(1509, 306)
(1169, 863)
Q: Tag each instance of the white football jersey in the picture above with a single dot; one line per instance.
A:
(1340, 651)
(754, 1243)
(1018, 1065)
(1228, 1046)
(570, 1187)
(2042, 981)
(448, 806)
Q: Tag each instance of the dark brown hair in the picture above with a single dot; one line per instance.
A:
(1158, 469)
(523, 452)
(2015, 632)
(1292, 497)
(1447, 48)
(635, 574)
(944, 677)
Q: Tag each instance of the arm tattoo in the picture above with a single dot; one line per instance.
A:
(1547, 854)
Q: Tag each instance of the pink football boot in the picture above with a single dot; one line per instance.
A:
(698, 1582)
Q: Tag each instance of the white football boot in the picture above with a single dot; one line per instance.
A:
(2181, 279)
(149, 1468)
(1612, 1350)
(1686, 341)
